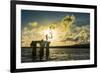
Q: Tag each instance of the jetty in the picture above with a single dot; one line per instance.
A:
(44, 45)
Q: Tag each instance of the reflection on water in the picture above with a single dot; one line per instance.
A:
(62, 54)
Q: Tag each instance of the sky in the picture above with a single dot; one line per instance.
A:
(35, 25)
(46, 17)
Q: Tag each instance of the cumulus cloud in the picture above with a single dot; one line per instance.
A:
(64, 32)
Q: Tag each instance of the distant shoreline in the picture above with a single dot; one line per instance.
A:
(72, 46)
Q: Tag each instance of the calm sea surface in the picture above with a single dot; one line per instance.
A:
(58, 54)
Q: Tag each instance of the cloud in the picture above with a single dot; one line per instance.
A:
(64, 32)
(81, 35)
(33, 24)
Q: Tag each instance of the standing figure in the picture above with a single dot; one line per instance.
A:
(42, 45)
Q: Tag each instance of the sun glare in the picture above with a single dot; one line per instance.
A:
(50, 34)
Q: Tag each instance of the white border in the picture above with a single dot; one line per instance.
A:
(20, 65)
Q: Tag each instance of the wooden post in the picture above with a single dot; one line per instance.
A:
(42, 45)
(47, 50)
(33, 45)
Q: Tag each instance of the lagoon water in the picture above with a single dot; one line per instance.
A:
(58, 54)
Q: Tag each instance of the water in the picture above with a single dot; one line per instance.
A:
(58, 54)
